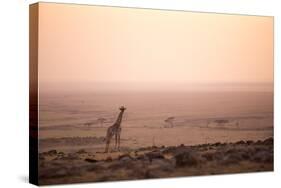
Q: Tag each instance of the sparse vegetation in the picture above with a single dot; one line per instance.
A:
(101, 121)
(170, 121)
(160, 162)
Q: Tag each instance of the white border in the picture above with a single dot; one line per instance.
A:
(14, 90)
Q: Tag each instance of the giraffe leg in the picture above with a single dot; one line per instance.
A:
(107, 145)
(108, 138)
(116, 137)
(119, 140)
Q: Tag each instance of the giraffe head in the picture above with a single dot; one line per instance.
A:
(122, 108)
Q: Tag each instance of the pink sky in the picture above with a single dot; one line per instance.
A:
(79, 43)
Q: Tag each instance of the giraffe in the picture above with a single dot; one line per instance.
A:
(115, 130)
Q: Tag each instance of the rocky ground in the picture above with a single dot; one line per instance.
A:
(56, 167)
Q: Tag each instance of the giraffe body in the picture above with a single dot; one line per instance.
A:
(115, 131)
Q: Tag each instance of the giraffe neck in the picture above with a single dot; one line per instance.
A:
(119, 119)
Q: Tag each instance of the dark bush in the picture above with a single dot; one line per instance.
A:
(187, 159)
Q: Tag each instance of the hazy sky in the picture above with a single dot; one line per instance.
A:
(104, 44)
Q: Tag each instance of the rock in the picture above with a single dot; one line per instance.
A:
(210, 147)
(263, 157)
(224, 144)
(155, 155)
(142, 157)
(249, 142)
(208, 156)
(187, 159)
(205, 146)
(61, 173)
(125, 157)
(148, 174)
(142, 149)
(52, 152)
(108, 159)
(70, 156)
(170, 149)
(60, 153)
(259, 142)
(221, 121)
(81, 151)
(91, 160)
(241, 142)
(96, 166)
(234, 156)
(268, 141)
(161, 165)
(153, 147)
(58, 172)
(217, 144)
(231, 151)
(231, 159)
(212, 156)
